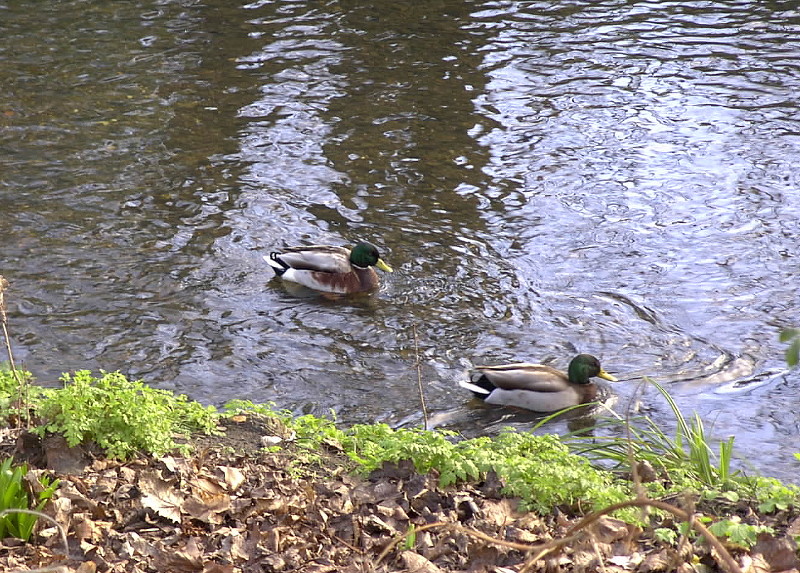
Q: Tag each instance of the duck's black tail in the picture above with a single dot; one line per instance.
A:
(277, 264)
(478, 385)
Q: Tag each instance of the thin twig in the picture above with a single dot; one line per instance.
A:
(636, 478)
(453, 527)
(575, 532)
(419, 379)
(723, 553)
(22, 388)
(62, 534)
(4, 322)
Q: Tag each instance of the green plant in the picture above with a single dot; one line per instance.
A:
(733, 530)
(544, 473)
(121, 416)
(541, 470)
(538, 469)
(687, 460)
(8, 384)
(699, 454)
(687, 457)
(792, 336)
(770, 494)
(742, 534)
(14, 496)
(665, 535)
(236, 406)
(411, 537)
(10, 391)
(372, 445)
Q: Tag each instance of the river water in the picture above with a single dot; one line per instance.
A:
(546, 178)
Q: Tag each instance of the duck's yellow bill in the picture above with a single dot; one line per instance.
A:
(383, 266)
(606, 376)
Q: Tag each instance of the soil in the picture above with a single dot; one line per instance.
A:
(235, 507)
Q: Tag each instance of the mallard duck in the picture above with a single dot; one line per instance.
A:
(537, 387)
(330, 269)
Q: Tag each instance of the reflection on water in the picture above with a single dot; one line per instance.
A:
(545, 178)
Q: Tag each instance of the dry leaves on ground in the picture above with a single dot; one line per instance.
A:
(223, 512)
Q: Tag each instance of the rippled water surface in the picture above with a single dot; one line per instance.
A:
(545, 178)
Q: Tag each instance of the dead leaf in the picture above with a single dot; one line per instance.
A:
(208, 508)
(127, 475)
(63, 511)
(608, 530)
(83, 527)
(518, 535)
(755, 564)
(205, 486)
(316, 567)
(161, 497)
(499, 513)
(242, 510)
(629, 562)
(170, 463)
(219, 568)
(780, 553)
(235, 546)
(374, 525)
(416, 563)
(664, 560)
(131, 545)
(87, 548)
(234, 477)
(186, 560)
(87, 567)
(106, 483)
(67, 490)
(191, 554)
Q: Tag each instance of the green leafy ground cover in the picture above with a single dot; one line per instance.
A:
(538, 469)
(543, 470)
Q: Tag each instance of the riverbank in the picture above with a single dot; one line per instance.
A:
(253, 500)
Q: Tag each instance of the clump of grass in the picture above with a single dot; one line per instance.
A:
(687, 457)
(686, 461)
(14, 496)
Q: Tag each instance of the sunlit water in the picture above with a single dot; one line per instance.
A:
(545, 178)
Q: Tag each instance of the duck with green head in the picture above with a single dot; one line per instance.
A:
(537, 387)
(330, 269)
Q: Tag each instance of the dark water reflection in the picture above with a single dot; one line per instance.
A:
(546, 178)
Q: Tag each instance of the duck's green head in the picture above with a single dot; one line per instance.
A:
(366, 255)
(585, 366)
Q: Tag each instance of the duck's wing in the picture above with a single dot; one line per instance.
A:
(317, 258)
(524, 376)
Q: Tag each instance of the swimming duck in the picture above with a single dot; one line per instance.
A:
(537, 387)
(330, 269)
